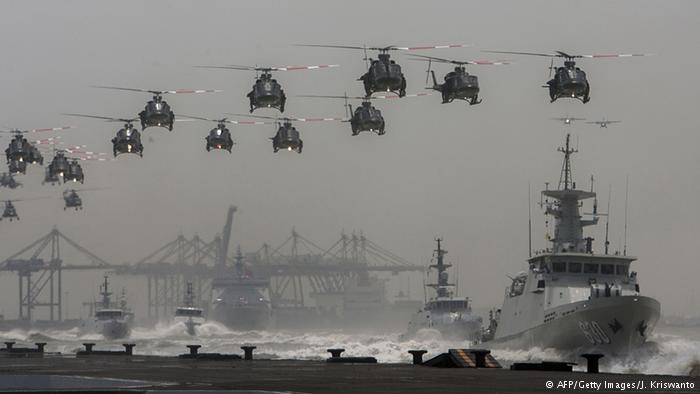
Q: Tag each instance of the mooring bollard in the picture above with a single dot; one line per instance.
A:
(335, 352)
(417, 356)
(248, 352)
(592, 359)
(8, 345)
(129, 348)
(194, 349)
(480, 357)
(88, 347)
(40, 346)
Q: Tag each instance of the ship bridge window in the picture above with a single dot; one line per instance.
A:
(589, 268)
(559, 267)
(607, 269)
(622, 269)
(575, 268)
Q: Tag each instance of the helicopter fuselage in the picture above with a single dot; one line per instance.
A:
(267, 93)
(458, 85)
(288, 138)
(569, 81)
(157, 114)
(74, 173)
(72, 200)
(9, 212)
(384, 75)
(367, 118)
(219, 138)
(17, 166)
(127, 140)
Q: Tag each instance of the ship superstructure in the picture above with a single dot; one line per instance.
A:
(445, 312)
(572, 297)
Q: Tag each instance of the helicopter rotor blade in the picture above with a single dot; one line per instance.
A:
(428, 47)
(244, 68)
(184, 91)
(458, 62)
(107, 118)
(595, 56)
(255, 116)
(26, 199)
(127, 89)
(527, 53)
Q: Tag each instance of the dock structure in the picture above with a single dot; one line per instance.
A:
(294, 269)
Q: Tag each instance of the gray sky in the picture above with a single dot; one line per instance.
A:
(450, 170)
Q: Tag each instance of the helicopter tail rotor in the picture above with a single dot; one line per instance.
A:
(551, 68)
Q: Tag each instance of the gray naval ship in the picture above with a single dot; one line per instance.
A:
(241, 302)
(572, 297)
(111, 320)
(450, 315)
(189, 313)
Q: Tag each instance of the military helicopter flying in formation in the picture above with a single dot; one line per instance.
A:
(267, 92)
(128, 138)
(287, 136)
(21, 151)
(459, 84)
(365, 117)
(158, 112)
(9, 181)
(10, 212)
(73, 200)
(604, 122)
(569, 80)
(220, 136)
(568, 120)
(383, 74)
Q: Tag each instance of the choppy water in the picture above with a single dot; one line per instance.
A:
(672, 351)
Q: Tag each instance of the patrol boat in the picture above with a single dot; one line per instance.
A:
(189, 313)
(572, 297)
(241, 302)
(450, 315)
(110, 320)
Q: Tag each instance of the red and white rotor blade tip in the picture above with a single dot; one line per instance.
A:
(393, 96)
(46, 141)
(183, 91)
(432, 47)
(489, 62)
(295, 68)
(49, 129)
(315, 119)
(603, 55)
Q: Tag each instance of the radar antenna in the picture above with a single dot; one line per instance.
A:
(565, 179)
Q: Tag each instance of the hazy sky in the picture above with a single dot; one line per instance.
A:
(451, 170)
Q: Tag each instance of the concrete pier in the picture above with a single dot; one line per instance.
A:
(311, 376)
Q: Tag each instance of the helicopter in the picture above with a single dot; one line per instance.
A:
(569, 80)
(604, 123)
(568, 119)
(128, 138)
(10, 212)
(158, 112)
(73, 200)
(459, 84)
(17, 166)
(383, 74)
(267, 92)
(220, 136)
(74, 172)
(22, 150)
(287, 136)
(9, 181)
(365, 117)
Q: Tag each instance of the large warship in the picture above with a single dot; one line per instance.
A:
(572, 297)
(450, 315)
(241, 301)
(111, 320)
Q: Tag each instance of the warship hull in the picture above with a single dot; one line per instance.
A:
(243, 318)
(116, 330)
(612, 325)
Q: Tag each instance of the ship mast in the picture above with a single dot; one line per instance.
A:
(189, 295)
(105, 294)
(568, 224)
(442, 287)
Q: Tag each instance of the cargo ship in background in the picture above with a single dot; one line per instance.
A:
(571, 297)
